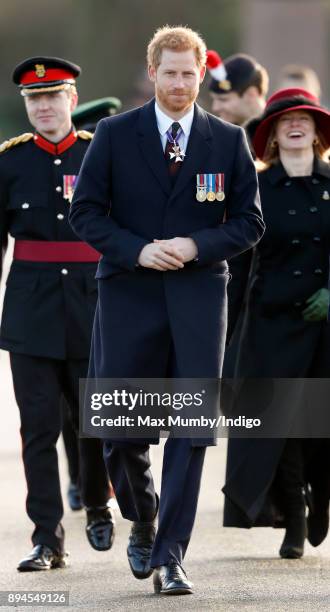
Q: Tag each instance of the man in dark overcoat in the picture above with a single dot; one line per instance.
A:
(49, 303)
(166, 193)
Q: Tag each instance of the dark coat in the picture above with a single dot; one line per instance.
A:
(46, 313)
(291, 264)
(159, 324)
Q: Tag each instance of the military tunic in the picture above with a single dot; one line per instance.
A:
(42, 313)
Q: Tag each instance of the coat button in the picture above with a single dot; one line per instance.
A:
(295, 241)
(313, 209)
(315, 181)
(60, 216)
(316, 239)
(318, 271)
(287, 183)
(64, 271)
(292, 211)
(57, 162)
(58, 188)
(297, 273)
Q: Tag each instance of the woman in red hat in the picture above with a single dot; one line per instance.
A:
(285, 333)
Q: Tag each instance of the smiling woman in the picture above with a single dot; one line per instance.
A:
(286, 334)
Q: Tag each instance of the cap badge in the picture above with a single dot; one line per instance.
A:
(224, 84)
(40, 70)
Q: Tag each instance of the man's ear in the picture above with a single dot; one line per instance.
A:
(251, 92)
(73, 101)
(202, 73)
(152, 73)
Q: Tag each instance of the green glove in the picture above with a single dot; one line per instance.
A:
(318, 305)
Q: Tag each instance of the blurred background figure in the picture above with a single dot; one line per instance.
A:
(299, 75)
(85, 116)
(238, 87)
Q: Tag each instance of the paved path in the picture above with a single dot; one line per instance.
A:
(232, 569)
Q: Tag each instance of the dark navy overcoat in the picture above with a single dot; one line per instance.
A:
(159, 324)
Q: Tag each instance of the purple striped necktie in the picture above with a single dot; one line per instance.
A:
(173, 135)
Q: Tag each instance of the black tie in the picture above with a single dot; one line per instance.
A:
(173, 166)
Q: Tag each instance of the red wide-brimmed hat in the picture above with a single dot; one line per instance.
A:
(281, 102)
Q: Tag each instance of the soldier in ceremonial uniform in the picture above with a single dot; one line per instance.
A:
(151, 197)
(238, 87)
(49, 303)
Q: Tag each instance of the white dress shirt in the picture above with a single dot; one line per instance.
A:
(164, 122)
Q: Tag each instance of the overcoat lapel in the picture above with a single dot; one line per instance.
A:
(199, 147)
(151, 146)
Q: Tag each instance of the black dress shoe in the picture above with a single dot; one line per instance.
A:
(171, 579)
(100, 528)
(139, 548)
(42, 558)
(74, 497)
(294, 539)
(318, 524)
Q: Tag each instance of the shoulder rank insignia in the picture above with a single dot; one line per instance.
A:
(85, 135)
(12, 142)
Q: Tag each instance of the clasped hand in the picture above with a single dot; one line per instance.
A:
(318, 305)
(170, 254)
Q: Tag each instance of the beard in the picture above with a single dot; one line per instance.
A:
(183, 101)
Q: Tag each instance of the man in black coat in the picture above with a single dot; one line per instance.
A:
(166, 193)
(49, 303)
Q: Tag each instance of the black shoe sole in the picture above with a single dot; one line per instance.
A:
(39, 568)
(291, 554)
(178, 591)
(102, 548)
(140, 575)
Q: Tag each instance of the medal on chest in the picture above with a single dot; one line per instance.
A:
(176, 153)
(69, 183)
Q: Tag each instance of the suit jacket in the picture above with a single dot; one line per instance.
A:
(159, 324)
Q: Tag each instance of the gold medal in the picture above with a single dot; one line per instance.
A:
(220, 196)
(210, 196)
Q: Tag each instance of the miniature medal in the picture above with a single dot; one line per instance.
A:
(326, 195)
(219, 187)
(201, 188)
(210, 195)
(69, 183)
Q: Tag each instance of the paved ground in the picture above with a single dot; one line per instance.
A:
(232, 569)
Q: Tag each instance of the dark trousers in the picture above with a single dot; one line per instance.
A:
(39, 384)
(71, 443)
(129, 471)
